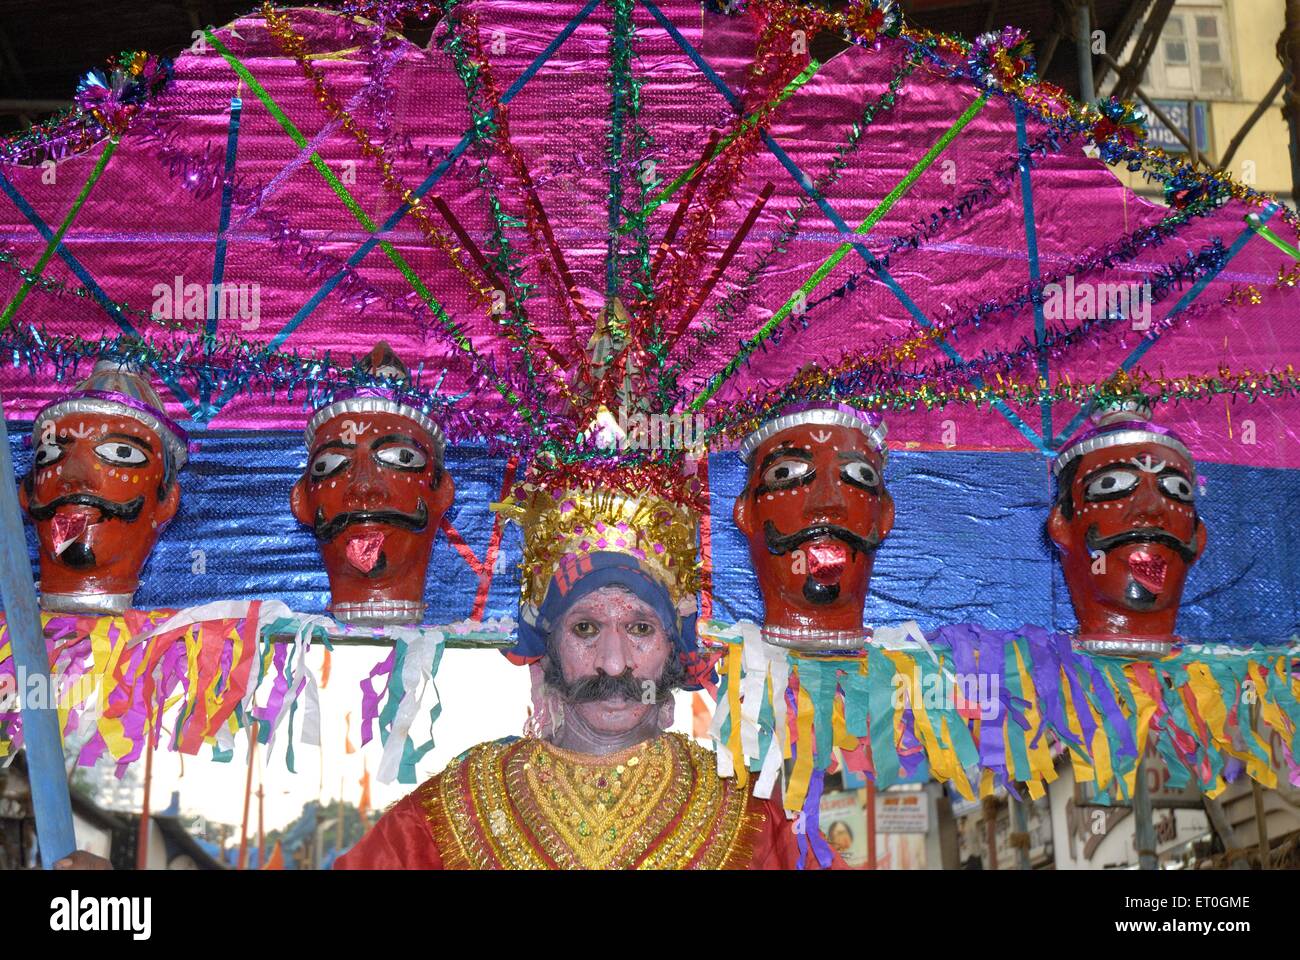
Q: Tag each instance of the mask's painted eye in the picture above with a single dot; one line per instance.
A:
(47, 453)
(403, 457)
(786, 471)
(1180, 488)
(1110, 483)
(121, 454)
(328, 463)
(862, 474)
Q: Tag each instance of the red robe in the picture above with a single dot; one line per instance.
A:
(525, 804)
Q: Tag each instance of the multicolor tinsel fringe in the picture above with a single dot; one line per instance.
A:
(982, 708)
(116, 676)
(107, 100)
(217, 669)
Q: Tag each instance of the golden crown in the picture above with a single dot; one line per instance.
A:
(563, 518)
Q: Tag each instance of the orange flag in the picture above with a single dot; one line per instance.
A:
(363, 805)
(700, 717)
(325, 670)
(276, 860)
(347, 734)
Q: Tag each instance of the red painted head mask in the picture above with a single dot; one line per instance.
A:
(103, 485)
(1126, 525)
(374, 493)
(815, 509)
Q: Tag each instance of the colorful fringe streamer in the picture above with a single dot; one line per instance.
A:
(970, 704)
(967, 705)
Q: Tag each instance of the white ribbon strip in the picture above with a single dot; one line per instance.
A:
(417, 674)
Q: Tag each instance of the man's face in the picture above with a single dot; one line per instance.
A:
(814, 509)
(1131, 538)
(612, 650)
(375, 495)
(94, 496)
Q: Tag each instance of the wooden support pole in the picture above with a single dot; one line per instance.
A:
(55, 834)
(1083, 46)
(142, 838)
(1143, 825)
(871, 824)
(248, 794)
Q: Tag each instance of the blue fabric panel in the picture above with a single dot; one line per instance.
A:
(968, 543)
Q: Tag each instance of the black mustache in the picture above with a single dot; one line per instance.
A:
(1141, 535)
(779, 543)
(602, 686)
(128, 511)
(327, 530)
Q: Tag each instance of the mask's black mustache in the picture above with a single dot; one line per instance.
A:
(778, 543)
(327, 530)
(1141, 535)
(128, 511)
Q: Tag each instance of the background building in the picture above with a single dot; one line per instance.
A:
(1215, 65)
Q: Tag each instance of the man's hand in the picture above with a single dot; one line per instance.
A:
(81, 860)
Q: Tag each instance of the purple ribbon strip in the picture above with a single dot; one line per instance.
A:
(1097, 430)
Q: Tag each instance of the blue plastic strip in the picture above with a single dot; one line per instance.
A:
(805, 184)
(227, 196)
(43, 741)
(1187, 299)
(89, 283)
(219, 258)
(434, 176)
(1031, 242)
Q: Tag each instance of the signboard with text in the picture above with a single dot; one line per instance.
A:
(1181, 113)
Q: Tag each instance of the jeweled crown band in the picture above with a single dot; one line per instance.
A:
(659, 534)
(361, 405)
(838, 415)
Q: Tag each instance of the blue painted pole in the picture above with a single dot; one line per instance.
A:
(41, 736)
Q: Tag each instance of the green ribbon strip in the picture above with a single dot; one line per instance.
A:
(667, 192)
(342, 192)
(1262, 229)
(820, 274)
(55, 240)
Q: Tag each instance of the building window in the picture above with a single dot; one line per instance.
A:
(1191, 58)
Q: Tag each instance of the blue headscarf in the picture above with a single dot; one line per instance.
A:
(581, 574)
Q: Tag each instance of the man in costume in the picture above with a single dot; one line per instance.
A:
(1126, 525)
(815, 509)
(608, 625)
(374, 492)
(102, 487)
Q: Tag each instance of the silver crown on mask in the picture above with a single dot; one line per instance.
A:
(827, 414)
(1126, 414)
(382, 363)
(129, 380)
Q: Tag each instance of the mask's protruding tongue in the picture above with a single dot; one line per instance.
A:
(67, 529)
(363, 551)
(826, 561)
(1148, 569)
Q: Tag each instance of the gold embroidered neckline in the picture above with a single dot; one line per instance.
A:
(529, 804)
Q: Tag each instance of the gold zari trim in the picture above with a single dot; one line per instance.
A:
(527, 805)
